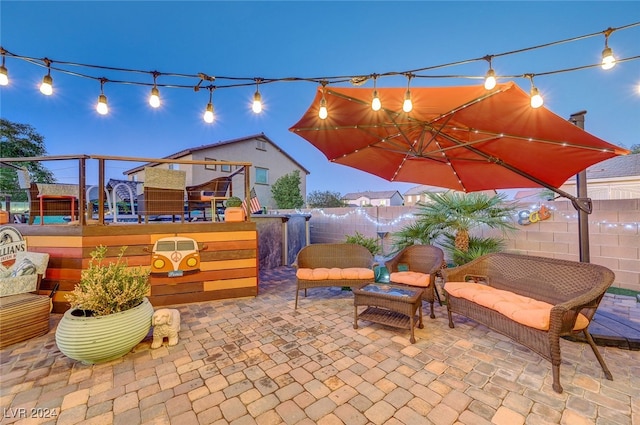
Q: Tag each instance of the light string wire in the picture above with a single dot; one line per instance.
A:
(411, 217)
(238, 81)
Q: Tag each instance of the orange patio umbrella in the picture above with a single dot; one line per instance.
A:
(463, 138)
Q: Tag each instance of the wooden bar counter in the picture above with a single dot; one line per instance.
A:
(228, 257)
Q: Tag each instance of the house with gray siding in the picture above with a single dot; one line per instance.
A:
(269, 163)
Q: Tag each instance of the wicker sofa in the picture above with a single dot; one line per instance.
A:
(533, 300)
(333, 264)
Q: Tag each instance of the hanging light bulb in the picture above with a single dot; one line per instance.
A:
(4, 75)
(208, 113)
(46, 87)
(323, 113)
(490, 79)
(608, 60)
(154, 99)
(257, 99)
(407, 105)
(375, 102)
(536, 98)
(102, 107)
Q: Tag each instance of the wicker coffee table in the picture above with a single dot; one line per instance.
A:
(390, 305)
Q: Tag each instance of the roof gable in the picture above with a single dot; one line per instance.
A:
(384, 194)
(189, 151)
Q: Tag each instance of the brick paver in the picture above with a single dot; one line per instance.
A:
(257, 361)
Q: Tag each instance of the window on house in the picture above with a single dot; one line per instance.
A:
(209, 166)
(225, 167)
(262, 175)
(174, 166)
(261, 145)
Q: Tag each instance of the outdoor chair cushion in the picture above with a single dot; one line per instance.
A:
(422, 280)
(520, 309)
(322, 273)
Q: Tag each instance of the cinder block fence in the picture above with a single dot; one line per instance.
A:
(614, 232)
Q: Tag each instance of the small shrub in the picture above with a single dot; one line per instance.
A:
(370, 243)
(109, 288)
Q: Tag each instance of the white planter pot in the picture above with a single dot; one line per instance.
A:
(103, 338)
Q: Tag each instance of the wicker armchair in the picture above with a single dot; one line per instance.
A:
(163, 194)
(423, 259)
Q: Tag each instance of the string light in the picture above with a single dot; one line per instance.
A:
(608, 60)
(234, 81)
(46, 87)
(490, 78)
(102, 107)
(4, 74)
(536, 98)
(375, 102)
(257, 99)
(323, 113)
(154, 99)
(407, 105)
(208, 113)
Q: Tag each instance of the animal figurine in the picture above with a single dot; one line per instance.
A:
(166, 323)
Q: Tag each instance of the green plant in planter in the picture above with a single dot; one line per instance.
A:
(233, 201)
(110, 312)
(109, 287)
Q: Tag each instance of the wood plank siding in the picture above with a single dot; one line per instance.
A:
(228, 258)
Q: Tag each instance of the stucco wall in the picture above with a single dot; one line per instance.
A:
(613, 231)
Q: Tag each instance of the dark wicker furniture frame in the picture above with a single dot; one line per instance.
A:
(330, 255)
(571, 287)
(387, 308)
(426, 259)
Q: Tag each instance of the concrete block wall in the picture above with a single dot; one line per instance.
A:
(614, 232)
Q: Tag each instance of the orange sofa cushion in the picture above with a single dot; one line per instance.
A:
(520, 309)
(410, 278)
(322, 273)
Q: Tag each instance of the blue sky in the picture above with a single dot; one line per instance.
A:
(296, 39)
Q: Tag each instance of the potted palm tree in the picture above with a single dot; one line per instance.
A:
(453, 215)
(234, 210)
(110, 312)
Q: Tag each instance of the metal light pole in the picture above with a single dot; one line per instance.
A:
(581, 191)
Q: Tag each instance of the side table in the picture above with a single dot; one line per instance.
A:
(390, 305)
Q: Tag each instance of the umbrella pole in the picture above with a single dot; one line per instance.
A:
(581, 190)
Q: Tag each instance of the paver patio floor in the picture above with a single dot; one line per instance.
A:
(257, 361)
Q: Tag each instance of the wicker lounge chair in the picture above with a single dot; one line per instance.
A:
(51, 205)
(210, 194)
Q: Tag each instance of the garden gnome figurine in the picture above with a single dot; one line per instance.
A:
(166, 323)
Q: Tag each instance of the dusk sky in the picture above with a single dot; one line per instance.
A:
(296, 39)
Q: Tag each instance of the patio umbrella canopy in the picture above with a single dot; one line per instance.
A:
(463, 138)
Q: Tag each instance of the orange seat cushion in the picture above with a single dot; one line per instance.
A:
(520, 309)
(410, 278)
(322, 273)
